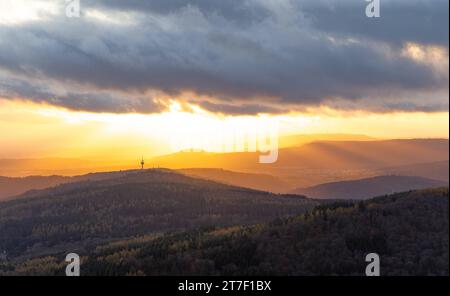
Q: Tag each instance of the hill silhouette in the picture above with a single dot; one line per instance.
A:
(302, 139)
(321, 162)
(303, 166)
(434, 170)
(320, 155)
(11, 187)
(368, 187)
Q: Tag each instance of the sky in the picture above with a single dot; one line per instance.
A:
(131, 77)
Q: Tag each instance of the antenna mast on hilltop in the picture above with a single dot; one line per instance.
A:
(142, 163)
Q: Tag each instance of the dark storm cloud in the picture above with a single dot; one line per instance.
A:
(76, 100)
(240, 11)
(401, 20)
(246, 54)
(423, 21)
(243, 109)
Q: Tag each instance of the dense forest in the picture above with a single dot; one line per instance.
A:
(410, 232)
(77, 215)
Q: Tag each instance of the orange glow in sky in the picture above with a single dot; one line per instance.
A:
(32, 131)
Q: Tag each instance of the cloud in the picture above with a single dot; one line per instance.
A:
(401, 21)
(242, 12)
(77, 100)
(248, 55)
(240, 109)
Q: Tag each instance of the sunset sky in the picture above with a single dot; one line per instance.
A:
(128, 78)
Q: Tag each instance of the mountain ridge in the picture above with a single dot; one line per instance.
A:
(368, 187)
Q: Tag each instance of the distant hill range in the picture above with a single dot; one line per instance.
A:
(320, 155)
(361, 154)
(321, 162)
(302, 166)
(368, 187)
(71, 166)
(434, 170)
(10, 187)
(299, 140)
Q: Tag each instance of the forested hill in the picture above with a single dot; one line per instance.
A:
(77, 215)
(410, 232)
